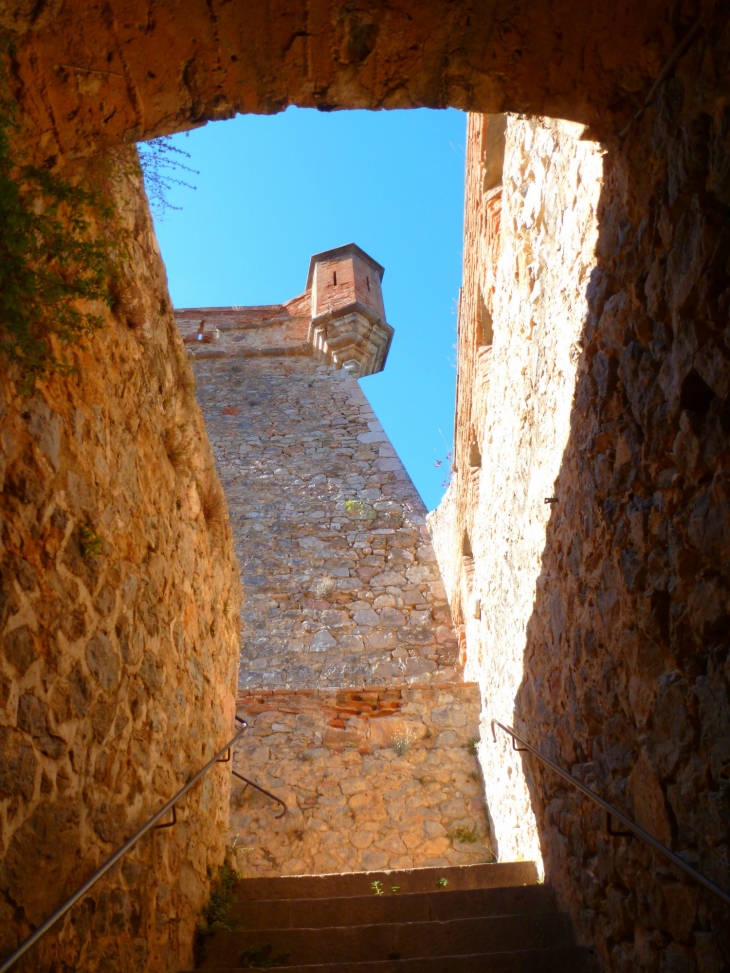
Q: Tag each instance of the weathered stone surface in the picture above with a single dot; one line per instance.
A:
(593, 358)
(517, 371)
(109, 696)
(368, 779)
(191, 63)
(615, 596)
(335, 557)
(342, 591)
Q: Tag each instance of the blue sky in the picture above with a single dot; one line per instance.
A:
(274, 190)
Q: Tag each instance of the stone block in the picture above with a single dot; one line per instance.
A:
(381, 639)
(373, 861)
(366, 617)
(322, 641)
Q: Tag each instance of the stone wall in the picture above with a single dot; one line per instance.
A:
(611, 352)
(117, 657)
(342, 586)
(377, 778)
(530, 239)
(348, 665)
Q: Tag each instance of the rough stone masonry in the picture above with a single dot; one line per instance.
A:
(342, 590)
(597, 622)
(117, 657)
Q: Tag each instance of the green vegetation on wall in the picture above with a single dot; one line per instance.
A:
(52, 270)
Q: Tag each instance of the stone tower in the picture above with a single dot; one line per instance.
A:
(348, 326)
(348, 653)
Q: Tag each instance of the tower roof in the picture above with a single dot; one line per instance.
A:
(340, 251)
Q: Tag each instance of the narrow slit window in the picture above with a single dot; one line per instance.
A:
(467, 559)
(367, 281)
(466, 551)
(334, 278)
(484, 324)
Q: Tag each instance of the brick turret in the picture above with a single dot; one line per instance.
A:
(348, 326)
(338, 320)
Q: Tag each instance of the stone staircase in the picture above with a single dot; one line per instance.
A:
(486, 918)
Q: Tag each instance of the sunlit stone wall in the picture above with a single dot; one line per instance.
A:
(119, 603)
(595, 374)
(531, 228)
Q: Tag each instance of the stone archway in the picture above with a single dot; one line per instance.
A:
(106, 73)
(124, 71)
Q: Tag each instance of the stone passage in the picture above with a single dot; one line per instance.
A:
(349, 662)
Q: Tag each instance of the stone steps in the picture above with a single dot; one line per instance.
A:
(342, 944)
(486, 918)
(372, 909)
(345, 884)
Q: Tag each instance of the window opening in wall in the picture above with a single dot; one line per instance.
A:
(367, 281)
(334, 278)
(467, 556)
(475, 456)
(493, 146)
(485, 331)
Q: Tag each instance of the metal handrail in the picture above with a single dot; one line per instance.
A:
(613, 813)
(263, 791)
(121, 852)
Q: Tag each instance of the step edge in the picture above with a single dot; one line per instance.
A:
(549, 894)
(431, 923)
(540, 952)
(420, 870)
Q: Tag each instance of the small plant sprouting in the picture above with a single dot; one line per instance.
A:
(403, 743)
(377, 888)
(472, 746)
(186, 382)
(178, 448)
(441, 883)
(355, 507)
(395, 888)
(91, 544)
(214, 509)
(450, 473)
(467, 836)
(215, 914)
(324, 588)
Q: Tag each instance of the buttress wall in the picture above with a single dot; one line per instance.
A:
(342, 586)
